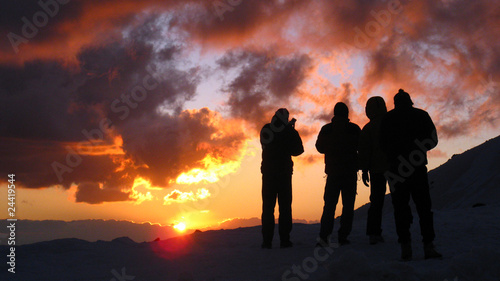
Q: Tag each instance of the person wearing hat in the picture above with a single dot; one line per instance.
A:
(373, 164)
(280, 141)
(338, 141)
(407, 133)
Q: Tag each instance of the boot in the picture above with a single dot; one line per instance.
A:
(430, 251)
(406, 251)
(286, 244)
(323, 242)
(267, 245)
(343, 241)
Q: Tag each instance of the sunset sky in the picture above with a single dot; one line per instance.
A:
(149, 111)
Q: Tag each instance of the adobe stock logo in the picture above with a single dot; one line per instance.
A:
(40, 19)
(309, 264)
(221, 7)
(373, 28)
(407, 166)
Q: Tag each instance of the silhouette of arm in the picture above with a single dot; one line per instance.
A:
(357, 134)
(266, 136)
(322, 143)
(430, 132)
(295, 145)
(365, 147)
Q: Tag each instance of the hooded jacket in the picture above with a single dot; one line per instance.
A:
(407, 133)
(338, 140)
(279, 142)
(371, 156)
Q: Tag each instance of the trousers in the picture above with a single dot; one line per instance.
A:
(276, 186)
(416, 187)
(378, 186)
(344, 184)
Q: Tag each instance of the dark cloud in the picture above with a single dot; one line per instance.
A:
(35, 100)
(92, 193)
(264, 83)
(59, 29)
(449, 62)
(63, 126)
(232, 25)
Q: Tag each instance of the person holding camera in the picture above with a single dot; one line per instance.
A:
(280, 141)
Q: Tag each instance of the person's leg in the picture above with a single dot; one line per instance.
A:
(402, 213)
(422, 199)
(378, 186)
(348, 189)
(400, 195)
(285, 208)
(268, 204)
(331, 197)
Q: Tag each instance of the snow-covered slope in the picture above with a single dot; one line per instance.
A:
(470, 178)
(468, 237)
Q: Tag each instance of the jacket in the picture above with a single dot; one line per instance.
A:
(279, 143)
(407, 133)
(338, 140)
(371, 156)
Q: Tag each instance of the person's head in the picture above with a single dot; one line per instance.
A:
(341, 110)
(402, 99)
(375, 107)
(280, 116)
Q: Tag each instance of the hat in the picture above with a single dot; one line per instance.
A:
(402, 99)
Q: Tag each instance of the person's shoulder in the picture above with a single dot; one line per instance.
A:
(327, 126)
(390, 113)
(420, 111)
(354, 126)
(353, 129)
(417, 113)
(368, 126)
(268, 125)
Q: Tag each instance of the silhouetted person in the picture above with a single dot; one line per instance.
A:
(407, 134)
(338, 140)
(373, 163)
(279, 141)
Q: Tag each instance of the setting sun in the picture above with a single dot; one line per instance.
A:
(180, 227)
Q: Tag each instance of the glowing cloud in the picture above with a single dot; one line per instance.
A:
(138, 196)
(213, 170)
(177, 196)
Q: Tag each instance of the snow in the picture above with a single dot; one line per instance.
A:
(467, 236)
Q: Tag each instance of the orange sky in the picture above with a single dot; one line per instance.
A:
(150, 110)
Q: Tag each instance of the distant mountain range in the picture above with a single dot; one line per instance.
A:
(31, 231)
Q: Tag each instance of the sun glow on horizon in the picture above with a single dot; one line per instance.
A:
(180, 227)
